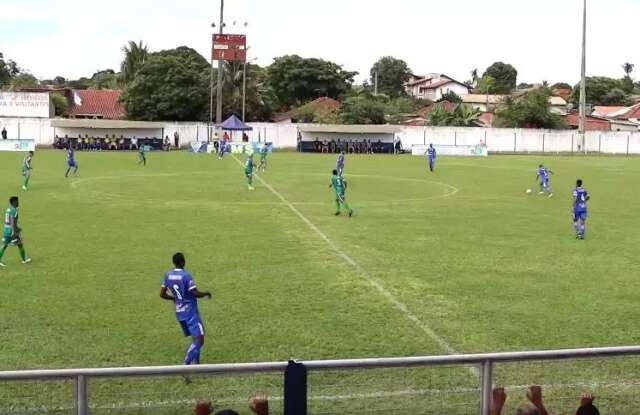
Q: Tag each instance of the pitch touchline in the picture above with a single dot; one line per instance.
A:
(364, 274)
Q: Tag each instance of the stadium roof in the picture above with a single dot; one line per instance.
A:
(104, 124)
(91, 103)
(349, 129)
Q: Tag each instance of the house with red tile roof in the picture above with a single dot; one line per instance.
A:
(434, 86)
(591, 123)
(102, 104)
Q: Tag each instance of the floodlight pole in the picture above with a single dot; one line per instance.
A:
(583, 80)
(220, 73)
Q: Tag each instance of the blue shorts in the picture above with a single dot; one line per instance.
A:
(581, 215)
(192, 327)
(72, 163)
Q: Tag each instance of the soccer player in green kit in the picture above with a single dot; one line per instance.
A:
(26, 170)
(339, 184)
(264, 152)
(142, 158)
(248, 171)
(11, 231)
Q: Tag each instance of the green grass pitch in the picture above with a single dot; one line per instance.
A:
(481, 265)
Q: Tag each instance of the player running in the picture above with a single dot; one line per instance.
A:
(184, 293)
(339, 184)
(26, 169)
(11, 231)
(142, 157)
(340, 163)
(431, 158)
(580, 199)
(71, 162)
(544, 176)
(264, 152)
(249, 165)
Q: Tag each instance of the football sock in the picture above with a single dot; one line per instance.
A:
(23, 253)
(26, 181)
(4, 248)
(193, 353)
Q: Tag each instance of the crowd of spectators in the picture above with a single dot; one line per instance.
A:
(112, 143)
(365, 146)
(535, 405)
(259, 405)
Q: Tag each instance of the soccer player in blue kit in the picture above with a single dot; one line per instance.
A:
(432, 155)
(184, 293)
(580, 199)
(71, 162)
(544, 175)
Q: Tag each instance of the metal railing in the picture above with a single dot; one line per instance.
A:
(295, 373)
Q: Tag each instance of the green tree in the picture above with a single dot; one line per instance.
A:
(505, 77)
(260, 100)
(135, 54)
(602, 91)
(60, 104)
(529, 110)
(171, 85)
(393, 74)
(8, 69)
(296, 80)
(462, 115)
(23, 80)
(627, 82)
(486, 85)
(451, 97)
(105, 79)
(313, 112)
(561, 85)
(363, 110)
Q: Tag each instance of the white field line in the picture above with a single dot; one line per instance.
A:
(330, 398)
(424, 327)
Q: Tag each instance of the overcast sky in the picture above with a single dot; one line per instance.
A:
(541, 38)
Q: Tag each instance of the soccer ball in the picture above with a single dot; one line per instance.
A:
(529, 191)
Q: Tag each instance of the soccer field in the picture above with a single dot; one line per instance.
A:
(457, 261)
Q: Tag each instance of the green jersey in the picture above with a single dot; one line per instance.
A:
(264, 152)
(339, 184)
(10, 221)
(26, 163)
(248, 166)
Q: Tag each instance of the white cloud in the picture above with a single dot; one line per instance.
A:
(540, 37)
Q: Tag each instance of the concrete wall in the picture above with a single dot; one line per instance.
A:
(285, 136)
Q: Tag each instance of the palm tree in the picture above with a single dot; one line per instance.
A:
(464, 115)
(485, 85)
(474, 76)
(135, 54)
(627, 67)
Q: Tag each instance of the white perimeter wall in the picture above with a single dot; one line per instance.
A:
(285, 136)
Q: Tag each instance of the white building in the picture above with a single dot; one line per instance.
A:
(434, 86)
(480, 101)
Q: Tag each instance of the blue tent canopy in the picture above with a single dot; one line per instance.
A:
(234, 123)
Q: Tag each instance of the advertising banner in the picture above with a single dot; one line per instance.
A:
(17, 145)
(479, 150)
(25, 104)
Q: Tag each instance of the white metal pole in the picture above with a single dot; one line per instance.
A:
(583, 80)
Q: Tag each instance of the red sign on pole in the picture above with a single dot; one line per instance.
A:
(229, 47)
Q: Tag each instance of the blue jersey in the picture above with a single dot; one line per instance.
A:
(580, 198)
(543, 174)
(431, 153)
(181, 285)
(71, 157)
(340, 162)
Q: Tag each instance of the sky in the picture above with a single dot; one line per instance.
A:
(541, 38)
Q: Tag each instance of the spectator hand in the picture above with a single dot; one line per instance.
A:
(203, 408)
(586, 400)
(259, 405)
(498, 400)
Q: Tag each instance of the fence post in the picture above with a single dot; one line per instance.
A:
(295, 389)
(485, 138)
(455, 138)
(486, 385)
(571, 143)
(515, 142)
(600, 143)
(543, 137)
(82, 403)
(628, 139)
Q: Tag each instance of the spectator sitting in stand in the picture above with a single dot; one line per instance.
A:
(4, 133)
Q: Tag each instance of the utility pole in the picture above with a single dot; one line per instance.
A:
(375, 83)
(583, 80)
(220, 72)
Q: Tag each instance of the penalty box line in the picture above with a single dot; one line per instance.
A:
(424, 327)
